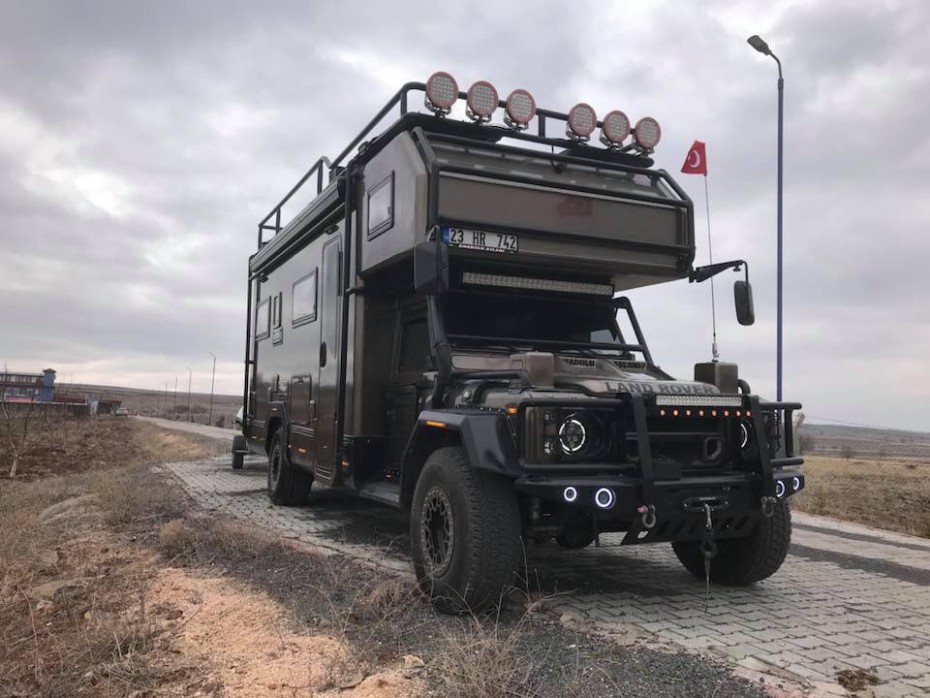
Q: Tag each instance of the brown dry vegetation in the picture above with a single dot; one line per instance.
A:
(889, 493)
(111, 585)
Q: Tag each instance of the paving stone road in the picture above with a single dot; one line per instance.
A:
(848, 597)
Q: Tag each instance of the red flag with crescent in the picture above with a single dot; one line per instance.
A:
(696, 160)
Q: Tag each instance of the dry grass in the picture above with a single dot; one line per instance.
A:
(73, 613)
(886, 493)
(484, 660)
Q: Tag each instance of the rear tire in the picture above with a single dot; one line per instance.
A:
(287, 484)
(743, 561)
(464, 533)
(239, 445)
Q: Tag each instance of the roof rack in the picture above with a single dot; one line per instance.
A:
(401, 102)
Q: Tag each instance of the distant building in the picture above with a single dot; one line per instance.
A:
(27, 387)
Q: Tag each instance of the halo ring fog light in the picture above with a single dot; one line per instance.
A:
(572, 435)
(796, 484)
(779, 488)
(604, 498)
(570, 494)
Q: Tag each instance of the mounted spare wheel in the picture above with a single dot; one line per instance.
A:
(287, 484)
(743, 561)
(464, 533)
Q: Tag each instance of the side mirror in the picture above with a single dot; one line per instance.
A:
(742, 294)
(431, 268)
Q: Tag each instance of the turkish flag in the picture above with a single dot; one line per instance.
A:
(696, 160)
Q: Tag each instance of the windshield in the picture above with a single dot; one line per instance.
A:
(527, 322)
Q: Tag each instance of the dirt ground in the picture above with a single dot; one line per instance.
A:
(888, 493)
(112, 585)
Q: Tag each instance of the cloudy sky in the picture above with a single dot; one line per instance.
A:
(140, 143)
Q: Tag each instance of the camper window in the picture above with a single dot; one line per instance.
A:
(263, 319)
(381, 207)
(304, 301)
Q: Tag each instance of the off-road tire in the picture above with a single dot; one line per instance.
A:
(743, 561)
(238, 457)
(287, 484)
(484, 546)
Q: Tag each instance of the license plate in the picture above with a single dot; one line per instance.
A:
(479, 240)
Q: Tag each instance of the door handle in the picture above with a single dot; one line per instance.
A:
(323, 353)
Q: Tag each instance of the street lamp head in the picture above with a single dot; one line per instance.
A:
(759, 45)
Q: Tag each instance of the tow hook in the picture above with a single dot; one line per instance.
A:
(708, 550)
(768, 507)
(648, 515)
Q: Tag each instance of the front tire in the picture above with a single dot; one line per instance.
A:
(464, 533)
(743, 561)
(287, 484)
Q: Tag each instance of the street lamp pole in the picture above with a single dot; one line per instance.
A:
(189, 376)
(759, 45)
(212, 383)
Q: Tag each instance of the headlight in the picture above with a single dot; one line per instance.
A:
(745, 435)
(572, 435)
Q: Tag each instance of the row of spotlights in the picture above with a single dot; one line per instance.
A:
(482, 101)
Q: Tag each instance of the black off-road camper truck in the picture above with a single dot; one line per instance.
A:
(438, 331)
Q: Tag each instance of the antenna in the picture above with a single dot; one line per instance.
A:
(715, 355)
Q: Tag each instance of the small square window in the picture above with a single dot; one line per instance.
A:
(263, 319)
(304, 300)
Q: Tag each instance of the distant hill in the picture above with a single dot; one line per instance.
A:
(866, 441)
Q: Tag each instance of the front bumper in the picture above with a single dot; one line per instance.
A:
(735, 501)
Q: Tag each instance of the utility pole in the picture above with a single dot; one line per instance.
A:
(175, 396)
(212, 382)
(189, 376)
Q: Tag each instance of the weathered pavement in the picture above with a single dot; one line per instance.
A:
(847, 598)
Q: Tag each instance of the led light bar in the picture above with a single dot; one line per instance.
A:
(521, 108)
(502, 281)
(441, 92)
(481, 102)
(699, 400)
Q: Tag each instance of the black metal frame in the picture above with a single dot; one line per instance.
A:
(621, 159)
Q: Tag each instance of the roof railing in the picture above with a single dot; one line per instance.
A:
(400, 101)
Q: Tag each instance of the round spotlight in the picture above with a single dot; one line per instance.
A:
(521, 108)
(647, 133)
(481, 102)
(779, 488)
(581, 122)
(572, 435)
(796, 484)
(569, 494)
(441, 92)
(615, 129)
(604, 498)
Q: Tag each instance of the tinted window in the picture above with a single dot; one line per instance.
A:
(381, 207)
(304, 305)
(534, 320)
